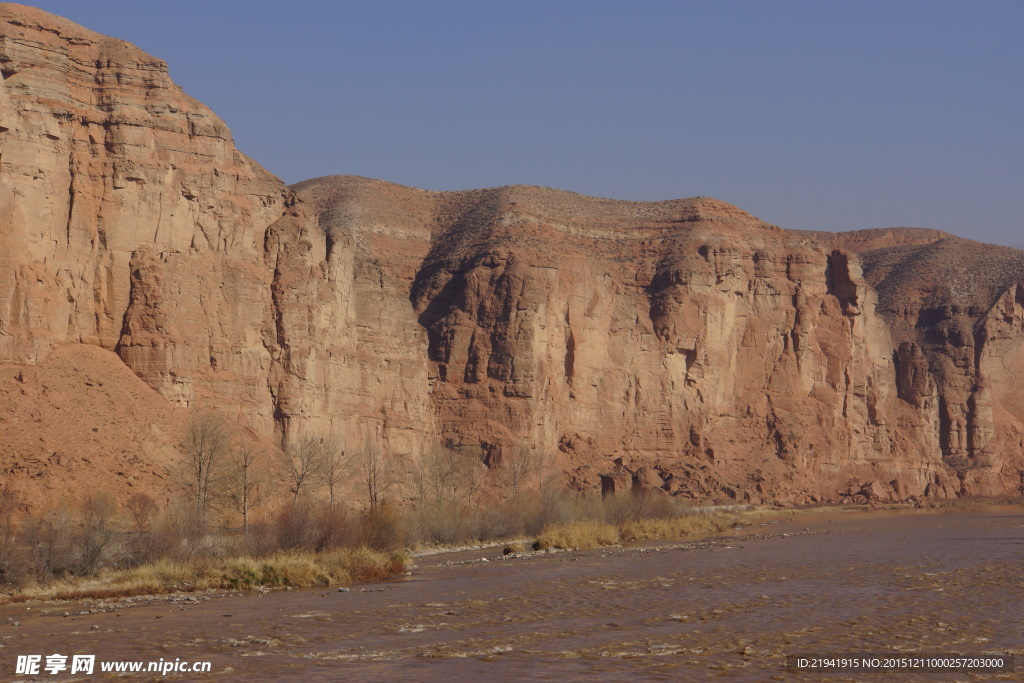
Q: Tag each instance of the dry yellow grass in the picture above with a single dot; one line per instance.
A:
(592, 534)
(674, 527)
(283, 569)
(585, 534)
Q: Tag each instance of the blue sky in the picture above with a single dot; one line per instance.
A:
(813, 115)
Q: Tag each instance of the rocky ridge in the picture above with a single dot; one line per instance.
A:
(682, 345)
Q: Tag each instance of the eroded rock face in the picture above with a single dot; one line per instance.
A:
(687, 336)
(684, 345)
(734, 359)
(129, 220)
(952, 307)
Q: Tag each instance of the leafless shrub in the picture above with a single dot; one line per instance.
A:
(334, 529)
(96, 533)
(382, 529)
(554, 506)
(141, 507)
(52, 544)
(15, 560)
(176, 534)
(441, 525)
(261, 540)
(502, 520)
(158, 535)
(295, 526)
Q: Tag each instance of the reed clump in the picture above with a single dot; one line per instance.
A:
(637, 517)
(582, 534)
(697, 524)
(288, 568)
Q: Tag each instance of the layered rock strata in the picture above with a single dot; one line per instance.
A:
(689, 343)
(130, 221)
(683, 345)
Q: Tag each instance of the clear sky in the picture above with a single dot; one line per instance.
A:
(816, 115)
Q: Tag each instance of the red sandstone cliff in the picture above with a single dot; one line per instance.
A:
(685, 342)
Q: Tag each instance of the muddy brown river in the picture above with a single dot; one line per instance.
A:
(729, 608)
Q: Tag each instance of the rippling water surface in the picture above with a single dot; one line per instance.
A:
(730, 608)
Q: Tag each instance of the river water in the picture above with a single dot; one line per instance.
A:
(730, 608)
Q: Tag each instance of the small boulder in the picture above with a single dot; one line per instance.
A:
(875, 490)
(647, 478)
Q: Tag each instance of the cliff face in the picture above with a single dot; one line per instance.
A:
(953, 307)
(691, 344)
(685, 342)
(128, 220)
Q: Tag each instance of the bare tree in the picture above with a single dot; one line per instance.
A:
(546, 474)
(445, 484)
(445, 478)
(245, 486)
(304, 463)
(378, 473)
(456, 478)
(335, 465)
(205, 445)
(514, 471)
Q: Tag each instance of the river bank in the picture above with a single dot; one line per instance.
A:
(353, 565)
(215, 563)
(732, 606)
